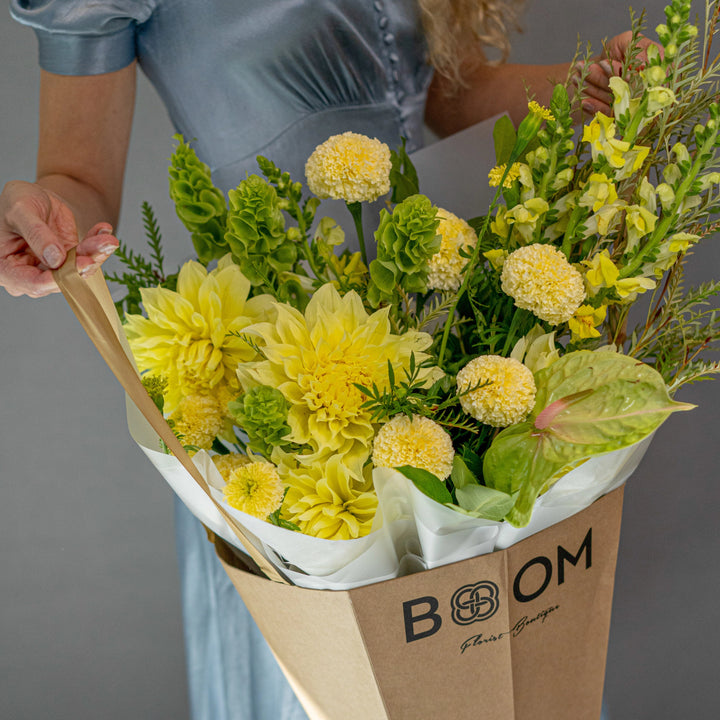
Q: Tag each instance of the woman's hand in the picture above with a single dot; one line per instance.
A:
(37, 228)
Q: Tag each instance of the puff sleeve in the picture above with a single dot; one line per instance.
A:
(77, 37)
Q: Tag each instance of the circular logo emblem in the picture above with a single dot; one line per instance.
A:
(472, 603)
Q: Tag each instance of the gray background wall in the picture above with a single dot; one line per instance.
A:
(89, 613)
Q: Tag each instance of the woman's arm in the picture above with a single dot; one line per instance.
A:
(85, 127)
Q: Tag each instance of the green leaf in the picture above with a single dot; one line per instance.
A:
(586, 404)
(403, 176)
(484, 502)
(461, 475)
(504, 137)
(427, 483)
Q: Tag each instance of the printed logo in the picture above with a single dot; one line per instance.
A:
(473, 603)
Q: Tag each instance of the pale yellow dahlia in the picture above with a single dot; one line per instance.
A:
(317, 360)
(507, 398)
(446, 265)
(188, 334)
(349, 167)
(540, 279)
(198, 420)
(327, 500)
(418, 442)
(254, 488)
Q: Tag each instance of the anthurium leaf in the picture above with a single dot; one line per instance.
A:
(484, 502)
(586, 404)
(428, 483)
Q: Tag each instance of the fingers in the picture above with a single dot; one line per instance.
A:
(22, 278)
(95, 248)
(595, 95)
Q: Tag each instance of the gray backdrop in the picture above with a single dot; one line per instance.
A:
(89, 613)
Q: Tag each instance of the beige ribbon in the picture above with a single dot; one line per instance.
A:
(91, 302)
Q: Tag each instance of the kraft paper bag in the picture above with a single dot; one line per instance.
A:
(518, 634)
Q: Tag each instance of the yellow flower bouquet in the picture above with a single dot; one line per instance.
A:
(477, 379)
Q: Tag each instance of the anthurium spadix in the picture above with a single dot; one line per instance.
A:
(587, 403)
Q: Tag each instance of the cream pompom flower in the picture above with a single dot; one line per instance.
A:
(327, 500)
(506, 398)
(349, 167)
(418, 442)
(254, 488)
(227, 463)
(446, 265)
(540, 279)
(190, 335)
(317, 360)
(198, 420)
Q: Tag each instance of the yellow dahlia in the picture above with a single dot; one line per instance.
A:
(349, 167)
(317, 360)
(198, 420)
(327, 500)
(540, 279)
(446, 265)
(188, 334)
(508, 396)
(418, 442)
(254, 488)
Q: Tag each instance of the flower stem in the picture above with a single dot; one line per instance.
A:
(355, 209)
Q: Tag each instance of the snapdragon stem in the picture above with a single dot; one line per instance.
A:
(355, 209)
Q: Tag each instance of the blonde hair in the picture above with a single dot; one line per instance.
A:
(458, 30)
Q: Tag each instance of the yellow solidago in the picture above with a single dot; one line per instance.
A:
(537, 109)
(188, 335)
(496, 175)
(506, 400)
(317, 359)
(418, 442)
(445, 266)
(585, 321)
(327, 500)
(198, 420)
(540, 279)
(254, 488)
(349, 167)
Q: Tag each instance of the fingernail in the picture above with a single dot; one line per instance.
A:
(52, 257)
(89, 270)
(107, 249)
(588, 107)
(606, 66)
(105, 231)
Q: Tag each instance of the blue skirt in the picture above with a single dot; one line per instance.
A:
(232, 675)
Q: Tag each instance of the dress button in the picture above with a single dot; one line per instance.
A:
(383, 22)
(393, 57)
(389, 38)
(379, 5)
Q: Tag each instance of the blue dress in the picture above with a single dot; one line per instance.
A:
(246, 77)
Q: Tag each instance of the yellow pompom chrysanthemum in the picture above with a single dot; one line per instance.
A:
(508, 396)
(418, 442)
(190, 336)
(227, 463)
(540, 279)
(327, 500)
(446, 265)
(198, 420)
(349, 167)
(255, 488)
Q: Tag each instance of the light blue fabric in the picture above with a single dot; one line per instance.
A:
(241, 78)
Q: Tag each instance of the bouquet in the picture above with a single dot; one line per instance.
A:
(450, 385)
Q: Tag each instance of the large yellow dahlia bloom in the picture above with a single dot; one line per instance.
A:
(317, 359)
(188, 338)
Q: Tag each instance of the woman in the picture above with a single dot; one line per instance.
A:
(242, 78)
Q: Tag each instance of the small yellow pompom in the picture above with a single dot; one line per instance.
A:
(540, 279)
(445, 266)
(506, 400)
(255, 488)
(227, 463)
(418, 442)
(198, 421)
(349, 167)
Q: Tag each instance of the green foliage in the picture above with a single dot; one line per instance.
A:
(403, 176)
(141, 272)
(427, 483)
(199, 204)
